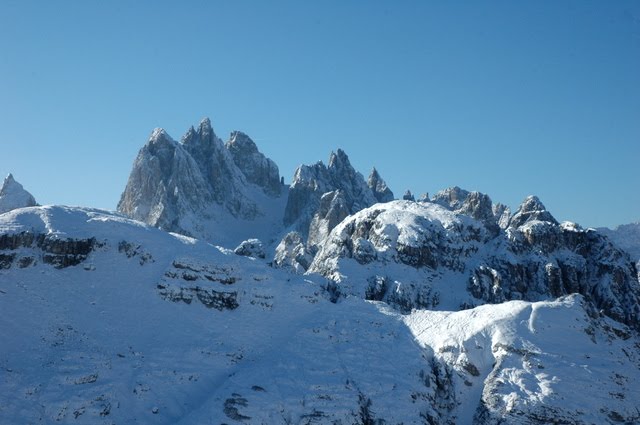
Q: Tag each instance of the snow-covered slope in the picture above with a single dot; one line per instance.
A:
(108, 320)
(13, 195)
(535, 363)
(423, 255)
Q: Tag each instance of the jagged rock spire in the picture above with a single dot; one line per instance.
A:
(408, 196)
(257, 168)
(379, 187)
(181, 186)
(311, 182)
(531, 209)
(13, 195)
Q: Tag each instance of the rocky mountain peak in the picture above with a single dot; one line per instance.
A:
(202, 139)
(451, 198)
(474, 204)
(257, 168)
(189, 187)
(531, 209)
(311, 182)
(408, 196)
(339, 160)
(488, 264)
(240, 142)
(205, 124)
(159, 135)
(13, 195)
(379, 187)
(477, 205)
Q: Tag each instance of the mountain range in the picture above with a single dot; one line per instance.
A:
(218, 294)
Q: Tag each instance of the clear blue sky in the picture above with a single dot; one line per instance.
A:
(509, 98)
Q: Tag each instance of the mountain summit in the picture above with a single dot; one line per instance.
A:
(229, 192)
(197, 185)
(13, 195)
(335, 307)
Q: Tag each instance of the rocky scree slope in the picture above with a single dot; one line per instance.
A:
(136, 325)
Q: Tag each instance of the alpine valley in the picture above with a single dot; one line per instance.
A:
(218, 294)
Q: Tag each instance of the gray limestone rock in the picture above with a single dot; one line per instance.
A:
(451, 198)
(379, 187)
(292, 253)
(257, 168)
(331, 211)
(184, 187)
(165, 183)
(531, 209)
(311, 182)
(502, 213)
(540, 259)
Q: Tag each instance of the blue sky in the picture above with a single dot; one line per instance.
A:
(508, 98)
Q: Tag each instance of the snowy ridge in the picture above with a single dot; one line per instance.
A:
(325, 302)
(423, 255)
(152, 327)
(536, 361)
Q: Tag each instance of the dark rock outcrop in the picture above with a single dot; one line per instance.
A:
(251, 248)
(408, 196)
(59, 252)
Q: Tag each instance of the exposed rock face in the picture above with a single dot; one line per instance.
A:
(427, 250)
(531, 210)
(502, 213)
(48, 249)
(164, 184)
(251, 248)
(292, 253)
(332, 210)
(408, 196)
(451, 198)
(183, 187)
(13, 195)
(310, 183)
(473, 204)
(257, 168)
(380, 189)
(186, 281)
